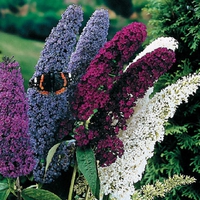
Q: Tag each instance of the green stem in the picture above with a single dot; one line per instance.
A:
(72, 182)
(106, 197)
(18, 189)
(87, 193)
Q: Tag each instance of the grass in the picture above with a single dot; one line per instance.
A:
(25, 51)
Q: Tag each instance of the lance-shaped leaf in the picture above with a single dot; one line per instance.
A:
(38, 194)
(87, 165)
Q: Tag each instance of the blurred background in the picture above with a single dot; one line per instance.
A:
(24, 24)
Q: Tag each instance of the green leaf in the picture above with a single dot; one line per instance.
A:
(4, 189)
(4, 186)
(50, 155)
(4, 194)
(38, 194)
(195, 163)
(88, 120)
(87, 165)
(171, 129)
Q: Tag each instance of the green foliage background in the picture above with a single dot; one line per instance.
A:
(25, 51)
(43, 15)
(179, 153)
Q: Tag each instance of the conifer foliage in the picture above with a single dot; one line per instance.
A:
(179, 152)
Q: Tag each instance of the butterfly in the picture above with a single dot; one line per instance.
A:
(52, 82)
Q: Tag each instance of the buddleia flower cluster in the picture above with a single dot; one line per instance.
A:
(160, 189)
(106, 68)
(107, 92)
(16, 155)
(101, 93)
(144, 129)
(48, 112)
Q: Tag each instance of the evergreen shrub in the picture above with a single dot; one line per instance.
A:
(8, 23)
(37, 27)
(179, 152)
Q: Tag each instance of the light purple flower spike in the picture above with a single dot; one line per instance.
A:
(16, 156)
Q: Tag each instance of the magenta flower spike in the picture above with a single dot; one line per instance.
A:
(106, 68)
(107, 92)
(135, 81)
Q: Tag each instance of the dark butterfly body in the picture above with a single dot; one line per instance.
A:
(52, 82)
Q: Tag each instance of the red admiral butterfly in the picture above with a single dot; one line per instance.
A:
(51, 82)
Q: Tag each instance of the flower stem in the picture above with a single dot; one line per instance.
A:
(18, 189)
(72, 182)
(87, 193)
(106, 197)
